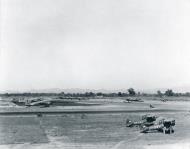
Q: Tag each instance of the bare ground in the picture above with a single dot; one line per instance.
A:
(93, 130)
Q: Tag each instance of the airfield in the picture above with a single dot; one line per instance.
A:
(91, 124)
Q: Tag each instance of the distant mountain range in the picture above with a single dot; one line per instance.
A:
(59, 90)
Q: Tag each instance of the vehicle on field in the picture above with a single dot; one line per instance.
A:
(168, 126)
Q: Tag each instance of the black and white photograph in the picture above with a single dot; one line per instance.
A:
(94, 74)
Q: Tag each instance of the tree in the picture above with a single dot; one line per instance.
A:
(169, 92)
(131, 92)
(89, 94)
(99, 94)
(119, 94)
(62, 93)
(187, 94)
(159, 93)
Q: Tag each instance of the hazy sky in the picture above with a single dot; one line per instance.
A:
(110, 44)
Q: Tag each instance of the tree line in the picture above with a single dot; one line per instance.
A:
(129, 92)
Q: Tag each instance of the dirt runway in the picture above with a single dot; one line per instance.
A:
(84, 127)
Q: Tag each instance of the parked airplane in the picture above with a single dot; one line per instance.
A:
(166, 127)
(152, 123)
(128, 100)
(147, 120)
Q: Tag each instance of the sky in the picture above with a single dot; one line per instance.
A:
(94, 44)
